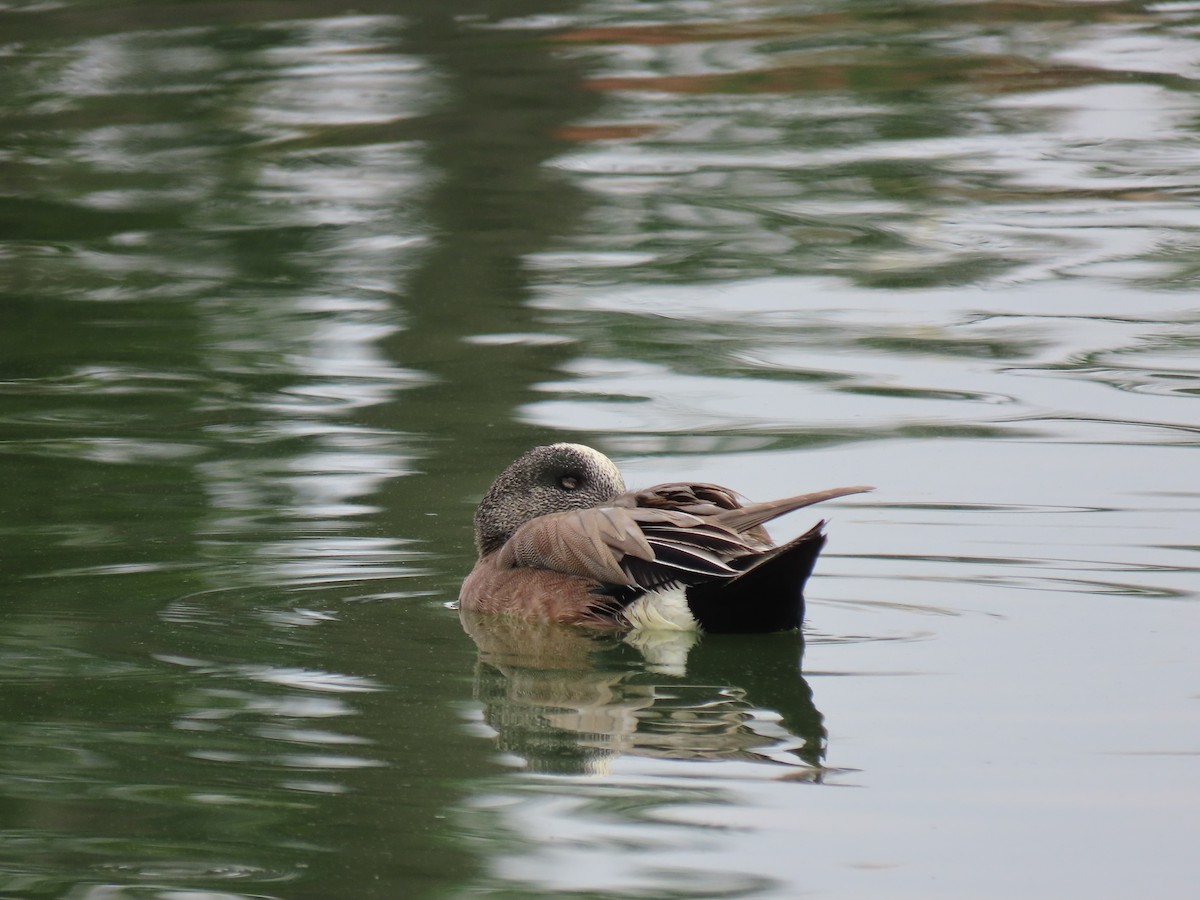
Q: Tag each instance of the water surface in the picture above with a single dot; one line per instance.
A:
(283, 285)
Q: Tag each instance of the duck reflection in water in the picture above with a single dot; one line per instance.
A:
(567, 700)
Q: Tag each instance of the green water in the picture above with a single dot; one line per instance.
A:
(284, 285)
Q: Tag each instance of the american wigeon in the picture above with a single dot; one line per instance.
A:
(560, 539)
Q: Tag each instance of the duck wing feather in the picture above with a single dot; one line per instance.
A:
(667, 534)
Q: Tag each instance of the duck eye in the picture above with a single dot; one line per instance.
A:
(569, 482)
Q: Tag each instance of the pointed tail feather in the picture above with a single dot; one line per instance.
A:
(747, 517)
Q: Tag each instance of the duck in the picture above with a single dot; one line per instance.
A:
(561, 540)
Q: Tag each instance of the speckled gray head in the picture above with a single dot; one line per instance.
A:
(550, 479)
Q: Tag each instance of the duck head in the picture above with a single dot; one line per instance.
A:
(545, 480)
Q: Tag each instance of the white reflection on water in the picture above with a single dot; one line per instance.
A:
(308, 362)
(822, 356)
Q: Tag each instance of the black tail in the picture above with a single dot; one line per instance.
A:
(769, 596)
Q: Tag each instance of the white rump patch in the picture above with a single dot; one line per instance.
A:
(663, 610)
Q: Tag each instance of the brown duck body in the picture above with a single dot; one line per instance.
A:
(584, 550)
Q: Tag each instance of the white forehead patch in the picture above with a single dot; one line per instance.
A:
(602, 462)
